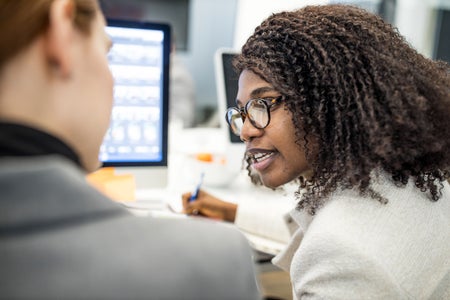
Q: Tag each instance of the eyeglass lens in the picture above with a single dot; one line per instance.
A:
(257, 112)
(235, 120)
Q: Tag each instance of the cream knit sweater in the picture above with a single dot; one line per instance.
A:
(358, 248)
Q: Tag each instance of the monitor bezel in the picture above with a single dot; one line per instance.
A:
(166, 29)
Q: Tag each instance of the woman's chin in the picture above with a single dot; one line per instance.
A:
(270, 183)
(274, 181)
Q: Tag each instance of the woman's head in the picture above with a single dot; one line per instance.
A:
(269, 136)
(54, 72)
(359, 97)
(22, 21)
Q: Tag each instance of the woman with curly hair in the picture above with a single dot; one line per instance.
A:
(333, 98)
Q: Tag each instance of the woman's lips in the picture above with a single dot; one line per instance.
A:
(261, 159)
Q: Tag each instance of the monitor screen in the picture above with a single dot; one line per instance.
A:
(227, 86)
(442, 41)
(137, 139)
(139, 62)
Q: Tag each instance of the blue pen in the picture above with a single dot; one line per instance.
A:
(194, 196)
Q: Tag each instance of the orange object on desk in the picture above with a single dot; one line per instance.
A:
(204, 156)
(119, 187)
(209, 157)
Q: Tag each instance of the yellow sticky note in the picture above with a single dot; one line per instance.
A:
(118, 187)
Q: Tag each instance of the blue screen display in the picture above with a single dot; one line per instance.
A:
(139, 61)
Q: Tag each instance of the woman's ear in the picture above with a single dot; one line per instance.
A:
(60, 36)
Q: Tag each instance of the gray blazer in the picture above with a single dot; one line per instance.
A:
(61, 239)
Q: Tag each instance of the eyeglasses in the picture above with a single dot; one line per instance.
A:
(257, 110)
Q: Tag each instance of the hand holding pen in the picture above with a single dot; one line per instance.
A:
(201, 203)
(194, 195)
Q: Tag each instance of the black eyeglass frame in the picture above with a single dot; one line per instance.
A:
(269, 102)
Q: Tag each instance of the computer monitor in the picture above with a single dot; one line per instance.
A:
(137, 139)
(227, 88)
(442, 33)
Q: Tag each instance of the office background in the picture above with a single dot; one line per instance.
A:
(201, 27)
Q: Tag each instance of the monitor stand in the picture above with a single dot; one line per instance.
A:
(147, 177)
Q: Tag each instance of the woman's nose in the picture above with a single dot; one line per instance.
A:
(248, 131)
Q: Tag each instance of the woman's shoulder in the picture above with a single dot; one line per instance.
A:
(402, 238)
(405, 205)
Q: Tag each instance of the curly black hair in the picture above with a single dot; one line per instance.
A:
(361, 93)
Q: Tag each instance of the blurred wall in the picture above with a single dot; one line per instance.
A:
(249, 15)
(211, 26)
(417, 21)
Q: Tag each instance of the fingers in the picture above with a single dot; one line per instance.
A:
(190, 207)
(193, 210)
(185, 199)
(206, 205)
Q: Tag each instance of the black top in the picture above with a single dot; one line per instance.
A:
(20, 140)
